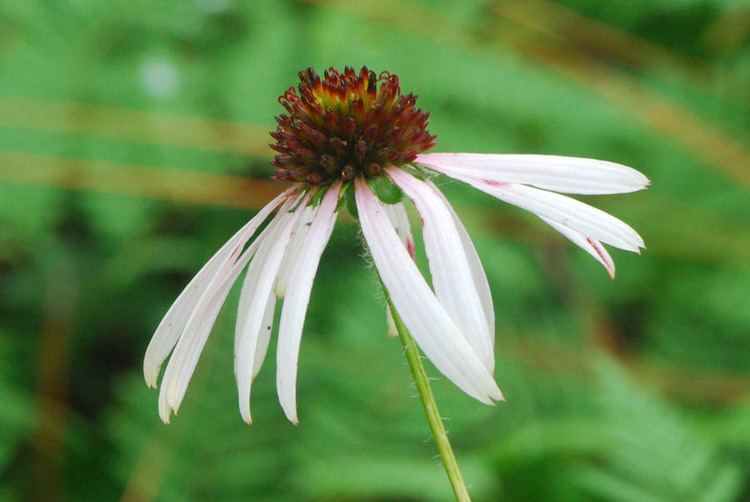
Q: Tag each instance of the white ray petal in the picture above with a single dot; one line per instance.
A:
(400, 220)
(429, 323)
(247, 296)
(591, 246)
(264, 337)
(550, 172)
(298, 290)
(258, 287)
(477, 270)
(174, 321)
(265, 239)
(190, 345)
(295, 244)
(572, 213)
(452, 276)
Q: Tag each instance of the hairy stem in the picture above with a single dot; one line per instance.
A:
(431, 410)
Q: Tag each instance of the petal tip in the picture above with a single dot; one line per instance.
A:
(166, 416)
(150, 375)
(497, 394)
(290, 411)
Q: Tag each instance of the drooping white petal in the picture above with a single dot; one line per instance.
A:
(264, 337)
(297, 298)
(258, 287)
(397, 214)
(477, 270)
(295, 244)
(265, 240)
(572, 213)
(591, 246)
(452, 275)
(400, 220)
(550, 172)
(190, 345)
(423, 315)
(174, 321)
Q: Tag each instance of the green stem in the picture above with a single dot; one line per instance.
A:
(431, 409)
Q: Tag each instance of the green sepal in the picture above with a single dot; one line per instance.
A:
(343, 194)
(298, 202)
(385, 189)
(318, 195)
(347, 198)
(419, 171)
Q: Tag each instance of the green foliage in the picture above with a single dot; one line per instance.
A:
(16, 415)
(652, 452)
(126, 128)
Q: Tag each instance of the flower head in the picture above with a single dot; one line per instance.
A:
(347, 124)
(344, 135)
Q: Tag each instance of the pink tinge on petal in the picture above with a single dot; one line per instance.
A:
(592, 246)
(400, 220)
(236, 252)
(599, 249)
(411, 249)
(495, 183)
(572, 213)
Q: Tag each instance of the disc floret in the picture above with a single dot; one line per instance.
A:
(347, 124)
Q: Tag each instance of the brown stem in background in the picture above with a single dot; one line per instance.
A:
(54, 352)
(179, 185)
(150, 127)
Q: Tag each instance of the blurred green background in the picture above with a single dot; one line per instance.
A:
(133, 142)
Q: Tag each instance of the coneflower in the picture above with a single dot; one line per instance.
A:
(353, 140)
